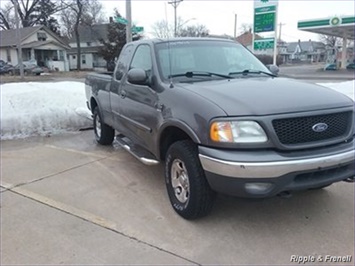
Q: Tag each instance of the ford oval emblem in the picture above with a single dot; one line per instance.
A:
(320, 127)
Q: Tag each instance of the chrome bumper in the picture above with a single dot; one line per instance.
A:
(274, 168)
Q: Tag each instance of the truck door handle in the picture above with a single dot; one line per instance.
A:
(123, 94)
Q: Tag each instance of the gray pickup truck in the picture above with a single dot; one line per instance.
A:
(221, 121)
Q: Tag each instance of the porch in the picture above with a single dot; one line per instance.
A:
(46, 55)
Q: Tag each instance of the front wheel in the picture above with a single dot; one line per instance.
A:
(104, 134)
(189, 192)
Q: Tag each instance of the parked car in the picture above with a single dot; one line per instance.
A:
(350, 66)
(331, 67)
(5, 68)
(221, 121)
(28, 69)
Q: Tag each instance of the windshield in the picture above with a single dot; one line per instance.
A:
(209, 56)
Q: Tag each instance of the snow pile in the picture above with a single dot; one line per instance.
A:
(35, 108)
(346, 87)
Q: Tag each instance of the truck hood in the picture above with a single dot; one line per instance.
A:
(265, 96)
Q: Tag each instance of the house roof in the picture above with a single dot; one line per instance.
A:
(92, 33)
(40, 43)
(9, 37)
(305, 46)
(247, 38)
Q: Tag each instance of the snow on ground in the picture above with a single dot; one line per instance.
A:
(346, 87)
(38, 108)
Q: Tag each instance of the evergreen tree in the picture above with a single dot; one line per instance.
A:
(116, 39)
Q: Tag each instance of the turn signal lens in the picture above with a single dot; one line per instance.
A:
(221, 132)
(237, 132)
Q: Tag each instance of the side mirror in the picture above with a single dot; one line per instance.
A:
(274, 69)
(137, 76)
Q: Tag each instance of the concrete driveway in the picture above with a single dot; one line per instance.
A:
(66, 200)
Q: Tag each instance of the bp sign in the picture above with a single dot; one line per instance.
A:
(335, 21)
(263, 44)
(264, 15)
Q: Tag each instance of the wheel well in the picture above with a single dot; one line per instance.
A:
(168, 137)
(93, 104)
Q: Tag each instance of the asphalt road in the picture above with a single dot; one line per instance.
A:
(66, 200)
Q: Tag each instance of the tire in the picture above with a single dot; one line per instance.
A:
(104, 134)
(189, 192)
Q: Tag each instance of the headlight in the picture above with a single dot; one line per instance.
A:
(237, 132)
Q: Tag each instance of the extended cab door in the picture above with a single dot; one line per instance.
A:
(138, 103)
(120, 71)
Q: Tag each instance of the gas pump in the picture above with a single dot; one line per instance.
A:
(331, 61)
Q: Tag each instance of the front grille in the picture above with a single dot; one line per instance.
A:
(299, 130)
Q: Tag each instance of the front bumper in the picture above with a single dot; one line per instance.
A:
(230, 172)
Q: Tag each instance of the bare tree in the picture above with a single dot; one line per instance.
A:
(162, 29)
(330, 41)
(80, 13)
(95, 12)
(92, 13)
(31, 12)
(7, 19)
(194, 31)
(245, 27)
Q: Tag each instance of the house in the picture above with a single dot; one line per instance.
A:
(39, 44)
(307, 51)
(246, 39)
(90, 43)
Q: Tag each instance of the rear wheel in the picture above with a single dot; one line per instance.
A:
(104, 134)
(189, 192)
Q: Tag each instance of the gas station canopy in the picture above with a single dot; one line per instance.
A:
(343, 27)
(334, 26)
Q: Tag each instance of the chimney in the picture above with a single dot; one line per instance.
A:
(111, 20)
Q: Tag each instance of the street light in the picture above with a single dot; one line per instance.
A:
(187, 21)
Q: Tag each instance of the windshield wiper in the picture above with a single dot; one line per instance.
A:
(247, 71)
(191, 74)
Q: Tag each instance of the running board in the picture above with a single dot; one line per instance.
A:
(141, 154)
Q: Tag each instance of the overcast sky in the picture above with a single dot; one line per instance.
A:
(218, 16)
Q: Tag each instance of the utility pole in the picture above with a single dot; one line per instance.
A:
(18, 37)
(235, 26)
(129, 21)
(175, 4)
(280, 27)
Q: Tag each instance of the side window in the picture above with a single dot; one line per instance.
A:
(83, 59)
(142, 58)
(123, 62)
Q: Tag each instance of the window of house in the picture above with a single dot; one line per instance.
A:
(41, 36)
(83, 59)
(61, 55)
(8, 55)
